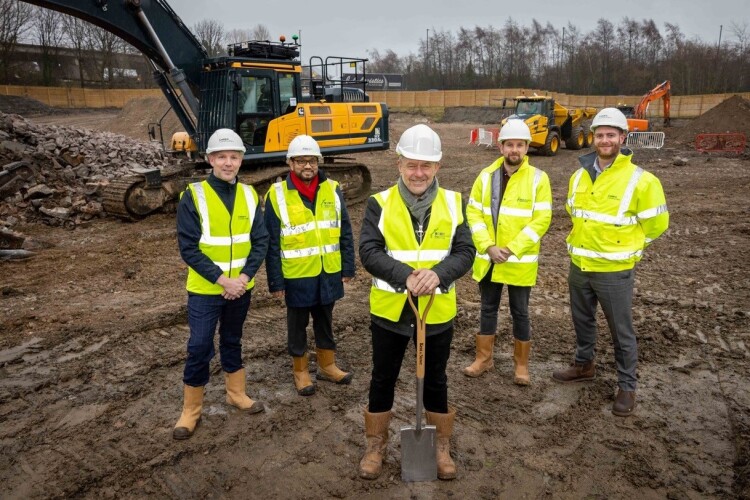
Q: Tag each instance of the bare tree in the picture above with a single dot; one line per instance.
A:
(77, 33)
(49, 35)
(238, 36)
(15, 21)
(261, 32)
(211, 34)
(107, 45)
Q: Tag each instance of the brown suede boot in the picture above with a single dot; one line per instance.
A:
(521, 361)
(577, 372)
(191, 412)
(444, 424)
(483, 361)
(236, 395)
(302, 380)
(376, 432)
(624, 403)
(327, 369)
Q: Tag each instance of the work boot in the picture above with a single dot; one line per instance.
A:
(191, 412)
(444, 423)
(577, 372)
(624, 403)
(521, 361)
(484, 361)
(376, 432)
(236, 395)
(302, 380)
(327, 369)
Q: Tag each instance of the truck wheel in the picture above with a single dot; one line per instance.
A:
(551, 145)
(588, 138)
(576, 139)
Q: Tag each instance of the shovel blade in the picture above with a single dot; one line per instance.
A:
(418, 454)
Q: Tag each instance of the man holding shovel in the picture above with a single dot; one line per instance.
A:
(414, 240)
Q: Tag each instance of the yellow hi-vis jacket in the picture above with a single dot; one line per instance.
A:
(225, 237)
(614, 218)
(523, 218)
(401, 244)
(309, 242)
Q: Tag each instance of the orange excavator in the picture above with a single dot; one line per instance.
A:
(636, 115)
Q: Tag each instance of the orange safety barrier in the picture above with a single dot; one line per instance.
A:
(734, 142)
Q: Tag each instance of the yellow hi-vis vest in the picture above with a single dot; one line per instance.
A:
(309, 242)
(225, 237)
(523, 218)
(614, 218)
(400, 243)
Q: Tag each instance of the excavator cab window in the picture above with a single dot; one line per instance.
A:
(255, 108)
(288, 92)
(529, 108)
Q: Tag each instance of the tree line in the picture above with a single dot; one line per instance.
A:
(628, 58)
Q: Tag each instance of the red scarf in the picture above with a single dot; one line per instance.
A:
(305, 190)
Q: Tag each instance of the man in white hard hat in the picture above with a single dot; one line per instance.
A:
(414, 240)
(617, 209)
(509, 211)
(310, 257)
(223, 239)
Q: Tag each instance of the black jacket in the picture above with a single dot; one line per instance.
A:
(189, 233)
(378, 263)
(318, 290)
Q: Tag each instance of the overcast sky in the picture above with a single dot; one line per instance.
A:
(352, 28)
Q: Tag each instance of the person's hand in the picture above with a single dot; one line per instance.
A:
(422, 282)
(278, 295)
(346, 279)
(234, 288)
(498, 255)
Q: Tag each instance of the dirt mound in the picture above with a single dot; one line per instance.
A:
(135, 116)
(732, 115)
(24, 105)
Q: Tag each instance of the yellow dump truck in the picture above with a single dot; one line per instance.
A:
(551, 123)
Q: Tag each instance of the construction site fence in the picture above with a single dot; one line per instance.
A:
(687, 106)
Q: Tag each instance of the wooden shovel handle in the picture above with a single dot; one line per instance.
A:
(421, 331)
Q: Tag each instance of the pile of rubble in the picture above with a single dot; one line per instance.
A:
(56, 174)
(731, 116)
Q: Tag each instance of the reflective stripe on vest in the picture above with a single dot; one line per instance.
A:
(401, 244)
(224, 236)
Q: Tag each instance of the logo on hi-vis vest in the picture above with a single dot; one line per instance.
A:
(613, 197)
(523, 200)
(328, 204)
(439, 235)
(243, 217)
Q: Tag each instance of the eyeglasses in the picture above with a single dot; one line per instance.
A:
(301, 162)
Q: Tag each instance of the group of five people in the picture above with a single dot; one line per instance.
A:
(417, 238)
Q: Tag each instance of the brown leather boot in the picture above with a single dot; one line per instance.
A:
(521, 361)
(236, 395)
(191, 412)
(444, 424)
(327, 369)
(624, 403)
(376, 432)
(302, 380)
(483, 361)
(577, 372)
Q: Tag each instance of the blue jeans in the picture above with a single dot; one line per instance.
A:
(204, 313)
(614, 292)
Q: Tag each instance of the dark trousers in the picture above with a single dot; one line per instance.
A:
(518, 297)
(297, 319)
(388, 350)
(204, 313)
(614, 291)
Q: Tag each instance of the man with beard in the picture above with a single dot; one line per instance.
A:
(310, 257)
(509, 211)
(617, 210)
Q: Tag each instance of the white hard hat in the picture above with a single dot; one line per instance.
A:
(303, 145)
(515, 129)
(420, 142)
(225, 139)
(610, 117)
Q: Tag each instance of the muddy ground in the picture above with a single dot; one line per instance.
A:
(92, 344)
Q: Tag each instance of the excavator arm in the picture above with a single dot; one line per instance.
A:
(663, 91)
(152, 27)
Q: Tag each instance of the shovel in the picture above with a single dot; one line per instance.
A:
(418, 453)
